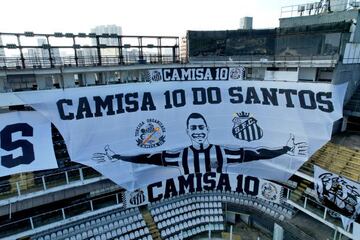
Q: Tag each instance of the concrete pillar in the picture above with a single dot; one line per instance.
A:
(57, 81)
(100, 78)
(44, 82)
(2, 83)
(69, 80)
(140, 74)
(356, 31)
(278, 232)
(344, 123)
(88, 79)
(110, 77)
(124, 75)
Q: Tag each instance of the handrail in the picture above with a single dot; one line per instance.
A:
(58, 214)
(315, 8)
(41, 183)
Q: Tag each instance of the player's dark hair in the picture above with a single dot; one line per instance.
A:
(196, 116)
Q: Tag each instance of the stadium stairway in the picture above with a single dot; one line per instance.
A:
(339, 159)
(154, 231)
(352, 108)
(299, 190)
(353, 124)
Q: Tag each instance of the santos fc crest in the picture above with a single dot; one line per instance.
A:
(246, 127)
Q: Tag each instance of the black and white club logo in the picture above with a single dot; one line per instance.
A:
(156, 75)
(150, 133)
(246, 127)
(137, 197)
(237, 73)
(269, 191)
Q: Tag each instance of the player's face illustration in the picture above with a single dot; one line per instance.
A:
(197, 130)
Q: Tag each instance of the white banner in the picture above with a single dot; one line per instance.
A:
(338, 193)
(136, 134)
(196, 74)
(209, 181)
(25, 143)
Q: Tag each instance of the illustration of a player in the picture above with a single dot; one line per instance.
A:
(201, 156)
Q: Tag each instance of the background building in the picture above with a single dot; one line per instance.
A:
(107, 41)
(183, 49)
(2, 51)
(246, 23)
(107, 29)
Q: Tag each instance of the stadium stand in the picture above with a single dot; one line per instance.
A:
(338, 159)
(127, 224)
(185, 216)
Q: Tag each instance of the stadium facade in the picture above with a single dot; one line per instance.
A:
(316, 44)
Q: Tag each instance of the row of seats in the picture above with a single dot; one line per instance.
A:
(188, 214)
(283, 208)
(186, 199)
(130, 231)
(126, 237)
(182, 210)
(171, 234)
(106, 226)
(183, 223)
(273, 212)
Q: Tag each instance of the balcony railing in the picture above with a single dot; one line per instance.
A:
(65, 213)
(89, 61)
(45, 182)
(315, 8)
(309, 204)
(273, 60)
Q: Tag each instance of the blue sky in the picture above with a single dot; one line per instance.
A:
(137, 17)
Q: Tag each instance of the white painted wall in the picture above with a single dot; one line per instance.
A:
(257, 73)
(278, 232)
(307, 74)
(44, 82)
(88, 79)
(291, 76)
(69, 80)
(352, 53)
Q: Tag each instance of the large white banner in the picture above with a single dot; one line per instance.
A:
(136, 134)
(338, 193)
(25, 143)
(210, 181)
(196, 74)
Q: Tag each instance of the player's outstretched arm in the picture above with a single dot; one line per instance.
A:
(264, 153)
(292, 148)
(155, 159)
